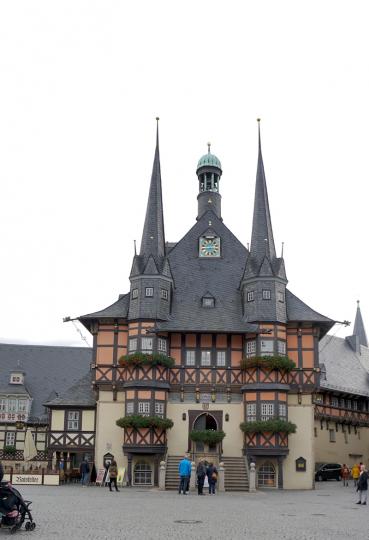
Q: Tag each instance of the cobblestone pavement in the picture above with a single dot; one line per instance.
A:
(72, 512)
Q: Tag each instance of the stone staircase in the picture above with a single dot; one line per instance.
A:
(235, 474)
(171, 473)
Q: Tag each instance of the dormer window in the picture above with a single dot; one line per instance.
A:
(16, 378)
(208, 302)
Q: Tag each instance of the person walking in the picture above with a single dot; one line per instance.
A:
(201, 473)
(212, 474)
(355, 473)
(184, 469)
(362, 486)
(113, 475)
(345, 474)
(84, 470)
(1, 472)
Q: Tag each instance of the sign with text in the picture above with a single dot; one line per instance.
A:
(100, 476)
(27, 479)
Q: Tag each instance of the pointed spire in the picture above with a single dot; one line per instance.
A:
(262, 241)
(359, 329)
(153, 241)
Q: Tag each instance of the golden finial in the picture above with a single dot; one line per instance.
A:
(209, 144)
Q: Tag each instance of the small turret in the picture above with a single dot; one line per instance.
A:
(209, 171)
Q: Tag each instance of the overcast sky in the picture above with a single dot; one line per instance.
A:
(80, 85)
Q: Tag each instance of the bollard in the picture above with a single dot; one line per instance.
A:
(221, 477)
(252, 480)
(193, 477)
(162, 470)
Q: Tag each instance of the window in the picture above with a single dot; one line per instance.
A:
(208, 302)
(250, 348)
(342, 403)
(349, 404)
(318, 398)
(142, 474)
(132, 345)
(251, 412)
(162, 345)
(16, 379)
(332, 435)
(267, 411)
(266, 294)
(144, 407)
(280, 296)
(12, 405)
(2, 404)
(134, 294)
(22, 405)
(146, 344)
(159, 409)
(10, 438)
(334, 402)
(266, 475)
(190, 358)
(164, 294)
(281, 347)
(221, 358)
(250, 296)
(282, 410)
(73, 420)
(130, 407)
(354, 405)
(205, 358)
(266, 347)
(149, 291)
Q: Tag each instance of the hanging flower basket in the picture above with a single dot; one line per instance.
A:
(275, 425)
(207, 436)
(136, 421)
(269, 362)
(140, 359)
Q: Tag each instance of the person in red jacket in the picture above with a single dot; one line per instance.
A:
(345, 474)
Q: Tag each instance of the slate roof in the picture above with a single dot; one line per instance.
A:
(47, 369)
(79, 394)
(346, 370)
(118, 309)
(297, 310)
(359, 328)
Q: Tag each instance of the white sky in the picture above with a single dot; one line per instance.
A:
(80, 85)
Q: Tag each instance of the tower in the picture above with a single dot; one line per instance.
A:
(209, 171)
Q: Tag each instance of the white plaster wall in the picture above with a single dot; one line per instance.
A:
(107, 432)
(301, 444)
(356, 448)
(57, 420)
(88, 420)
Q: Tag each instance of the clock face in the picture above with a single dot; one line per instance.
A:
(209, 246)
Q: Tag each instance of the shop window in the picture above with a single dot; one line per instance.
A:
(190, 358)
(73, 421)
(142, 474)
(205, 358)
(266, 475)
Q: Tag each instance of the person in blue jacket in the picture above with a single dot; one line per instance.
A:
(184, 469)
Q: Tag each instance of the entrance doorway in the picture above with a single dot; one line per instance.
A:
(211, 450)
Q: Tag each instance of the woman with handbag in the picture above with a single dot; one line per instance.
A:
(212, 474)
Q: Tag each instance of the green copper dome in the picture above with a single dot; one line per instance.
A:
(209, 160)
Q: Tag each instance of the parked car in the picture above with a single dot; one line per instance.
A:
(328, 471)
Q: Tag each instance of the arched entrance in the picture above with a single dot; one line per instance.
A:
(208, 450)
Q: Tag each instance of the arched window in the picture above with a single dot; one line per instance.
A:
(142, 474)
(266, 475)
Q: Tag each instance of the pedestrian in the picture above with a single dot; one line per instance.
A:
(361, 466)
(345, 474)
(1, 472)
(355, 473)
(362, 487)
(113, 474)
(84, 469)
(212, 475)
(201, 473)
(184, 469)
